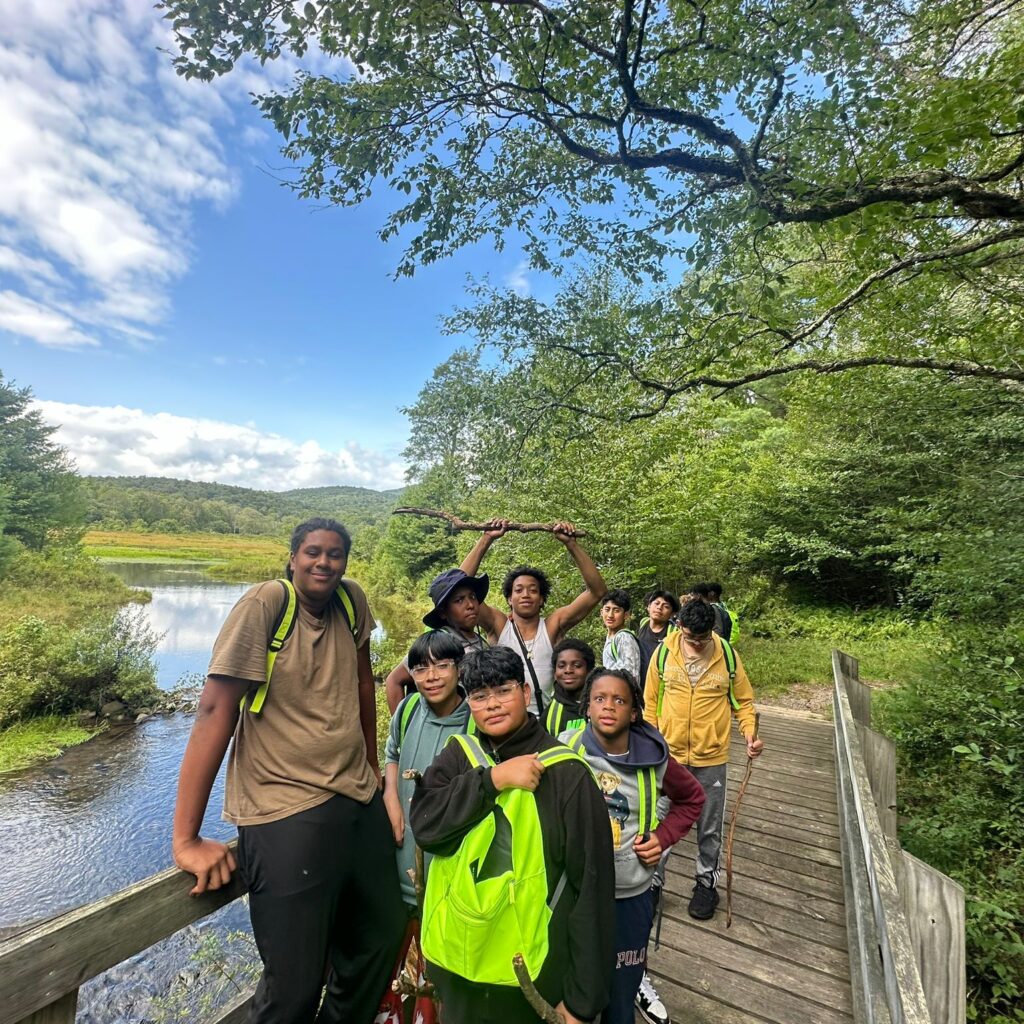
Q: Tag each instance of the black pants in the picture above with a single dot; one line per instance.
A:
(633, 919)
(465, 1002)
(323, 899)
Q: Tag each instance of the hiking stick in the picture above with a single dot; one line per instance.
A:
(460, 524)
(732, 829)
(538, 1003)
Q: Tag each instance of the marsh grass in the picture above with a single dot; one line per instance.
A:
(38, 739)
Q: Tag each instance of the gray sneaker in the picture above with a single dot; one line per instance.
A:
(649, 1003)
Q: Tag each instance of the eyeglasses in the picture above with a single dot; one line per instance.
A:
(601, 699)
(422, 671)
(698, 641)
(504, 693)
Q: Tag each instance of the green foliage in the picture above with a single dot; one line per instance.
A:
(39, 493)
(47, 668)
(221, 967)
(958, 729)
(842, 182)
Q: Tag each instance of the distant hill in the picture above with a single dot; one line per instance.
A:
(186, 506)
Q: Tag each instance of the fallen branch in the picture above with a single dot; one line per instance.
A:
(538, 1003)
(732, 830)
(460, 524)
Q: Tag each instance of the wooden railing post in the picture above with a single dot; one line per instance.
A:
(62, 1011)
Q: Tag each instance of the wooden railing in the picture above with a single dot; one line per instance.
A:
(905, 920)
(41, 969)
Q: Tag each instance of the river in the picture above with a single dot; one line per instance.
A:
(98, 818)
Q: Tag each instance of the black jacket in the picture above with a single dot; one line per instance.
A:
(453, 797)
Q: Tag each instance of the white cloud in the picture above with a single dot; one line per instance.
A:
(106, 156)
(118, 441)
(29, 319)
(517, 279)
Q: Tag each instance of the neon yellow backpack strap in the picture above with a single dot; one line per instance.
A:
(661, 660)
(647, 789)
(347, 606)
(730, 664)
(281, 633)
(475, 754)
(553, 719)
(405, 711)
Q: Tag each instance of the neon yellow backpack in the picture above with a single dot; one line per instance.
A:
(489, 901)
(283, 629)
(661, 658)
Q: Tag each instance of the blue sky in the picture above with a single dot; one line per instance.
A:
(173, 307)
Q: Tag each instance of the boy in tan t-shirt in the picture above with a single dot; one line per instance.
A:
(315, 848)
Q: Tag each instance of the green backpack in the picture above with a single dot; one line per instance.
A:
(404, 713)
(489, 901)
(283, 629)
(661, 658)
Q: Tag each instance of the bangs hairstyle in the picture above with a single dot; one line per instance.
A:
(665, 595)
(435, 645)
(572, 644)
(697, 616)
(526, 570)
(491, 667)
(303, 530)
(616, 673)
(619, 598)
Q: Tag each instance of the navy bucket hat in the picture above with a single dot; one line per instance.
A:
(441, 588)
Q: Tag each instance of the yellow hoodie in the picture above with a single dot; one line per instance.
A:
(695, 719)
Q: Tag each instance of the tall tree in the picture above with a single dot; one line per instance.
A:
(879, 144)
(40, 493)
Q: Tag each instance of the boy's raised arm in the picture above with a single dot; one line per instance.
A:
(492, 620)
(449, 801)
(591, 872)
(562, 619)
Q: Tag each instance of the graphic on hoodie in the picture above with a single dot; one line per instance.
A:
(618, 805)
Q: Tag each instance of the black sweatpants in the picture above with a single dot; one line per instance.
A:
(324, 900)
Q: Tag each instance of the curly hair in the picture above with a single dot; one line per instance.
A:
(570, 643)
(619, 598)
(616, 673)
(303, 530)
(491, 667)
(697, 616)
(526, 570)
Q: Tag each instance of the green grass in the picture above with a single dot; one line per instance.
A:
(38, 739)
(776, 664)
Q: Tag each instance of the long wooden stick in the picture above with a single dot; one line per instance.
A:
(460, 524)
(732, 829)
(538, 1003)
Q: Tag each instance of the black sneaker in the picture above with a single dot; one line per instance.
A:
(703, 903)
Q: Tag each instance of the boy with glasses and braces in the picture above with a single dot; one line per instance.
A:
(492, 803)
(694, 688)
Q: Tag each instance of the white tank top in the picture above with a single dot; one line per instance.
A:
(539, 650)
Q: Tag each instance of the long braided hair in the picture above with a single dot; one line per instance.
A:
(616, 673)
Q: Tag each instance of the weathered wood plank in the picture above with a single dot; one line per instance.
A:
(904, 995)
(758, 963)
(687, 1006)
(60, 1012)
(880, 761)
(761, 936)
(934, 906)
(737, 990)
(40, 966)
(758, 846)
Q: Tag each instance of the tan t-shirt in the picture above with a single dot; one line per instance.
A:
(307, 743)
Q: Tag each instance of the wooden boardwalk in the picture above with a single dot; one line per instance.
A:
(784, 960)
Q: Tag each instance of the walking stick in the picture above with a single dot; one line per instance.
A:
(538, 1003)
(732, 829)
(460, 524)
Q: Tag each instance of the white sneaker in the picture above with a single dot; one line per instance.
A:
(649, 1003)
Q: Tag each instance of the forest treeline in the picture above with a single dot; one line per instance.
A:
(166, 505)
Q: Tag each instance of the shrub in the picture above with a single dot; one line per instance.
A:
(47, 668)
(957, 728)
